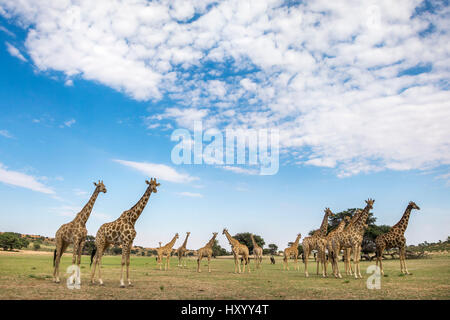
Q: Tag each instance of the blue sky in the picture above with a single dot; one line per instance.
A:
(359, 94)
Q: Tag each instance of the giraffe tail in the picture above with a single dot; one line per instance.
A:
(54, 257)
(94, 251)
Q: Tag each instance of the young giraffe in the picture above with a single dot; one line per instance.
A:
(292, 251)
(257, 252)
(395, 237)
(238, 249)
(120, 232)
(181, 251)
(74, 232)
(330, 236)
(165, 251)
(317, 241)
(206, 251)
(352, 237)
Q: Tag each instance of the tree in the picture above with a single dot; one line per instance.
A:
(12, 240)
(89, 245)
(245, 238)
(218, 250)
(36, 246)
(273, 248)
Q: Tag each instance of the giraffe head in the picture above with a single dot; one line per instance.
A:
(369, 203)
(225, 230)
(100, 186)
(214, 234)
(328, 211)
(413, 205)
(176, 236)
(188, 233)
(152, 184)
(347, 219)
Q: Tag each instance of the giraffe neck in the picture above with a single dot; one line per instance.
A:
(171, 243)
(324, 226)
(354, 218)
(134, 213)
(84, 214)
(211, 242)
(230, 238)
(295, 244)
(185, 241)
(361, 221)
(341, 226)
(403, 223)
(255, 245)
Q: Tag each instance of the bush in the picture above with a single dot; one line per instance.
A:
(36, 246)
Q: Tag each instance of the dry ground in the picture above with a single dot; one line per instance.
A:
(26, 275)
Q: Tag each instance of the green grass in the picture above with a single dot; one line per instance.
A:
(28, 276)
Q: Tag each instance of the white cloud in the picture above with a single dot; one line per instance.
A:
(241, 170)
(68, 123)
(80, 193)
(23, 180)
(15, 52)
(6, 134)
(158, 171)
(9, 33)
(325, 73)
(191, 194)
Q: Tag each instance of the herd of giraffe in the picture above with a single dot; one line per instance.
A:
(347, 236)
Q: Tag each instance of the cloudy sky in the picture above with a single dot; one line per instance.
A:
(359, 91)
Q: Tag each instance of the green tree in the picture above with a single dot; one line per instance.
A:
(36, 246)
(89, 245)
(245, 238)
(218, 250)
(273, 248)
(12, 240)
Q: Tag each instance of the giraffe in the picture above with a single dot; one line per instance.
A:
(165, 251)
(120, 232)
(351, 237)
(238, 249)
(330, 236)
(317, 241)
(395, 237)
(206, 251)
(181, 251)
(257, 252)
(74, 232)
(292, 251)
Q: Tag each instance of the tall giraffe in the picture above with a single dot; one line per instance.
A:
(181, 251)
(120, 232)
(317, 242)
(257, 252)
(395, 237)
(351, 237)
(74, 232)
(238, 249)
(165, 250)
(292, 251)
(206, 251)
(330, 236)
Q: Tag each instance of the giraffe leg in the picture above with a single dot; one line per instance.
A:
(248, 264)
(380, 258)
(356, 261)
(98, 263)
(128, 267)
(403, 260)
(80, 250)
(60, 248)
(306, 257)
(168, 261)
(76, 247)
(199, 260)
(296, 263)
(209, 260)
(124, 260)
